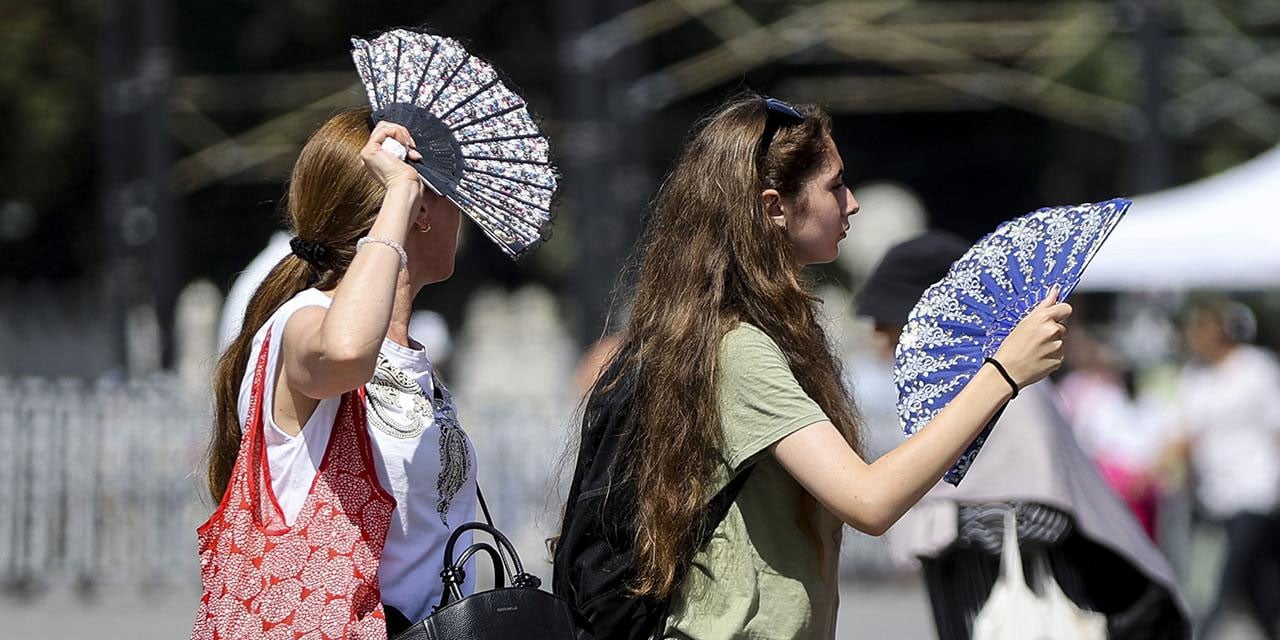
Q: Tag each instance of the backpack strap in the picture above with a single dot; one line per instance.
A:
(716, 511)
(719, 505)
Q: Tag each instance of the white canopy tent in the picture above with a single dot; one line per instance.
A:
(1222, 232)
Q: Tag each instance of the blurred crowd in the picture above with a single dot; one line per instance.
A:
(1177, 407)
(1211, 428)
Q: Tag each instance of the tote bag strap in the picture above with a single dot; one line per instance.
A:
(251, 445)
(1010, 555)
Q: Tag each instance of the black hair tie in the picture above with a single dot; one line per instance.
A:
(1007, 378)
(313, 253)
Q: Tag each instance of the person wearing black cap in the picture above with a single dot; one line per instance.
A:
(1068, 519)
(902, 276)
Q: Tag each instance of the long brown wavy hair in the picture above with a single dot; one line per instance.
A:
(712, 258)
(332, 200)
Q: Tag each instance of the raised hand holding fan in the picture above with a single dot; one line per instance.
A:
(963, 318)
(481, 148)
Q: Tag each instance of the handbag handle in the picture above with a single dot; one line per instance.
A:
(454, 574)
(498, 537)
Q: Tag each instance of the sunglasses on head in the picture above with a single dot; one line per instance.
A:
(775, 105)
(777, 113)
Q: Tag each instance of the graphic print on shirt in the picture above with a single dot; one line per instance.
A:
(391, 388)
(455, 461)
(388, 390)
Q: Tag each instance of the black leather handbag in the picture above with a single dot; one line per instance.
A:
(520, 610)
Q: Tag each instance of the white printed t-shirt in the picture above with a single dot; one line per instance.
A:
(421, 457)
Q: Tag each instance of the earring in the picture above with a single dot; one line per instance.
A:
(423, 227)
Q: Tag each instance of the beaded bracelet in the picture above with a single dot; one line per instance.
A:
(404, 257)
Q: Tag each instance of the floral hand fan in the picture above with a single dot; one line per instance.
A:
(964, 317)
(480, 147)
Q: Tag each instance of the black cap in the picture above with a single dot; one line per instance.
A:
(897, 283)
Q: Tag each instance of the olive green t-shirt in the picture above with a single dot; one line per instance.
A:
(760, 576)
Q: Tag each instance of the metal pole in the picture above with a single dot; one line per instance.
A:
(1153, 150)
(162, 254)
(603, 161)
(140, 229)
(117, 275)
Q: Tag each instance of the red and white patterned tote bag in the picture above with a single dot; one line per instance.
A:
(313, 580)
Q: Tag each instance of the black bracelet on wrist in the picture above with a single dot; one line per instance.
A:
(1007, 378)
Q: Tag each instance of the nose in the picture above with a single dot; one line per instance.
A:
(853, 207)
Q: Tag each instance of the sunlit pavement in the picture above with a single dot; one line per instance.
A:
(868, 610)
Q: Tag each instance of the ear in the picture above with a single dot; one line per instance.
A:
(432, 209)
(773, 207)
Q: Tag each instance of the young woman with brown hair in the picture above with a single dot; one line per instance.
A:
(729, 368)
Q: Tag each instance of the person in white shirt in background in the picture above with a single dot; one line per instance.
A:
(1230, 419)
(246, 283)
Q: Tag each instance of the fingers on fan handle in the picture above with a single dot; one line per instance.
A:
(395, 147)
(1050, 299)
(399, 132)
(1059, 330)
(381, 131)
(1057, 353)
(1059, 312)
(389, 131)
(384, 128)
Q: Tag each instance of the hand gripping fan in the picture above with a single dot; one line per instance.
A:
(963, 318)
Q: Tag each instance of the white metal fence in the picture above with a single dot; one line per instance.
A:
(96, 483)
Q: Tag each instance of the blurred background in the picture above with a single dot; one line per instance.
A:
(147, 141)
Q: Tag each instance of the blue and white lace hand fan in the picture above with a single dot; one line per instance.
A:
(480, 146)
(964, 317)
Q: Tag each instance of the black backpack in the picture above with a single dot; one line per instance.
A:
(593, 563)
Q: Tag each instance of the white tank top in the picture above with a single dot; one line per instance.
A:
(421, 455)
